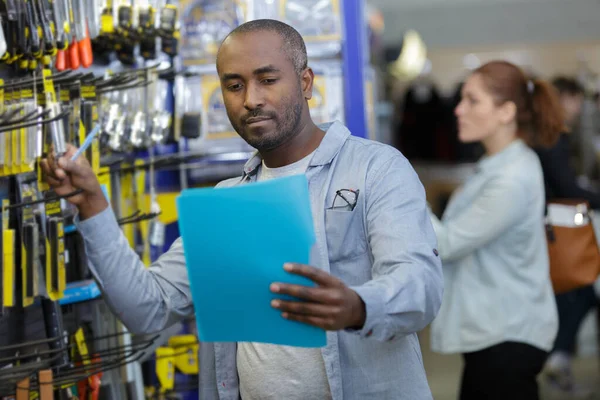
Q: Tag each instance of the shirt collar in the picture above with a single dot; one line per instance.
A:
(495, 161)
(335, 137)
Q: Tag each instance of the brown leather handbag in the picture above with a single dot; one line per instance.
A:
(572, 245)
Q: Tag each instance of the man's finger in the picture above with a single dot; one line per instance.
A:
(53, 181)
(316, 275)
(71, 150)
(319, 322)
(48, 170)
(312, 294)
(304, 308)
(73, 167)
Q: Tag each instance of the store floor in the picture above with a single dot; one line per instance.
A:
(444, 374)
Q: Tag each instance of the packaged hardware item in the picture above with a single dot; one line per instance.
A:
(318, 21)
(327, 102)
(201, 113)
(205, 23)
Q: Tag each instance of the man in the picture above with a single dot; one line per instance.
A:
(378, 274)
(571, 97)
(561, 182)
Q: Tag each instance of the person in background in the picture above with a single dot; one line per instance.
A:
(498, 308)
(561, 183)
(378, 278)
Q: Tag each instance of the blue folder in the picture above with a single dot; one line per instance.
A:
(236, 241)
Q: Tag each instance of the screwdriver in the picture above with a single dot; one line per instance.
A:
(86, 143)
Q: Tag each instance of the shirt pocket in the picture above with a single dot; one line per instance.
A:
(344, 234)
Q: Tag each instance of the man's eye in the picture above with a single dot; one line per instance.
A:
(234, 88)
(269, 81)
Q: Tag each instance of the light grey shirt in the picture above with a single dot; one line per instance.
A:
(493, 246)
(384, 249)
(271, 372)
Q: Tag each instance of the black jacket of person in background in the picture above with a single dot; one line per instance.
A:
(559, 176)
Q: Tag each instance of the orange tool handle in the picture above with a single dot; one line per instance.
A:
(85, 52)
(61, 60)
(73, 56)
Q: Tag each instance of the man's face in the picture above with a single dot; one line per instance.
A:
(571, 104)
(264, 95)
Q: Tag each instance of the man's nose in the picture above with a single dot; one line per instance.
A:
(254, 98)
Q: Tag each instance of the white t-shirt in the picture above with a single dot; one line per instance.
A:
(272, 372)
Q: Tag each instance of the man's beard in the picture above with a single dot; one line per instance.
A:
(286, 127)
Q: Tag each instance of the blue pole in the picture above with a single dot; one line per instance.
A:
(355, 57)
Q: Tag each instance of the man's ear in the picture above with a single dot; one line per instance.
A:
(306, 80)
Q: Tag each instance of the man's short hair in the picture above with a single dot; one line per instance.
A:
(293, 44)
(567, 85)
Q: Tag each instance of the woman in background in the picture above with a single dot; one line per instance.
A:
(498, 308)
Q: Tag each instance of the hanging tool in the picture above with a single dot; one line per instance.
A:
(23, 48)
(34, 32)
(89, 389)
(147, 33)
(57, 130)
(30, 251)
(63, 29)
(88, 141)
(46, 383)
(103, 44)
(72, 61)
(84, 43)
(93, 18)
(56, 127)
(165, 368)
(168, 30)
(55, 256)
(6, 40)
(3, 45)
(47, 34)
(12, 32)
(125, 44)
(23, 389)
(8, 258)
(157, 230)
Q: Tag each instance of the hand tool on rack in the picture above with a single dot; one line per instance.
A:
(46, 384)
(23, 389)
(3, 44)
(147, 33)
(49, 41)
(55, 256)
(57, 130)
(8, 258)
(23, 48)
(30, 251)
(168, 29)
(12, 31)
(125, 43)
(89, 389)
(56, 127)
(88, 141)
(92, 9)
(63, 29)
(84, 43)
(72, 61)
(33, 32)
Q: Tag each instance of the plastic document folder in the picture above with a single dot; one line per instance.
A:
(236, 241)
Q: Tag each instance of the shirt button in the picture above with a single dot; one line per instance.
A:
(436, 252)
(370, 333)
